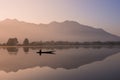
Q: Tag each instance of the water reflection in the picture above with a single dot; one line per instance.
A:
(12, 50)
(26, 49)
(66, 58)
(108, 69)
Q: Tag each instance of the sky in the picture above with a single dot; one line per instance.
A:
(97, 13)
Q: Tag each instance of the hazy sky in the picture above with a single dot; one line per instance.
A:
(98, 13)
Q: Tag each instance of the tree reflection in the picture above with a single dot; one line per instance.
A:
(12, 50)
(67, 59)
(26, 49)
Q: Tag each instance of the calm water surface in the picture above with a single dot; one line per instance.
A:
(83, 63)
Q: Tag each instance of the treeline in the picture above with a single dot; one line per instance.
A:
(75, 43)
(26, 42)
(15, 42)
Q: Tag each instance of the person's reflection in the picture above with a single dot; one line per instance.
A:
(26, 49)
(12, 50)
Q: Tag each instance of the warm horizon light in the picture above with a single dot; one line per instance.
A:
(97, 13)
(59, 39)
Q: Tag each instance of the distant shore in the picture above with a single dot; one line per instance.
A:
(62, 46)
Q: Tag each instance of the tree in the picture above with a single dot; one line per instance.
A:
(12, 42)
(26, 42)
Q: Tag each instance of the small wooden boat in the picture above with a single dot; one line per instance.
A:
(45, 52)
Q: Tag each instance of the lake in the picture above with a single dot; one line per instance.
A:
(67, 63)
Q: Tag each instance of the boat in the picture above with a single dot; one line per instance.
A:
(45, 52)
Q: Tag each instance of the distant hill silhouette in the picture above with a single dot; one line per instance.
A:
(57, 31)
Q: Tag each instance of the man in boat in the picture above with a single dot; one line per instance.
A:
(47, 52)
(40, 51)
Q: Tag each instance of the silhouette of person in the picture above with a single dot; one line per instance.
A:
(40, 50)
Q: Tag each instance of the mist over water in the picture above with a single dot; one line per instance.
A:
(59, 39)
(67, 63)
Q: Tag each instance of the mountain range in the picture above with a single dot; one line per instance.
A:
(57, 31)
